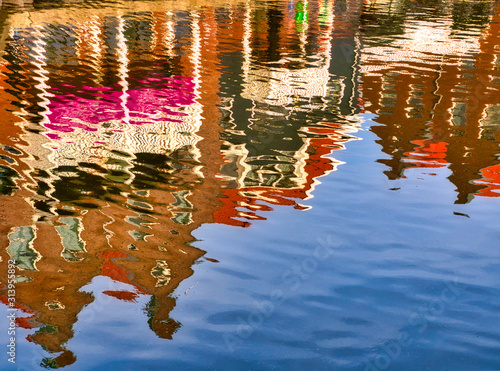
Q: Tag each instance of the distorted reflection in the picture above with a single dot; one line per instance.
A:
(433, 80)
(125, 130)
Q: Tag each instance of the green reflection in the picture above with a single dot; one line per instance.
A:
(71, 239)
(20, 249)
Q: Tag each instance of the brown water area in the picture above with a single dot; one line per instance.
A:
(119, 139)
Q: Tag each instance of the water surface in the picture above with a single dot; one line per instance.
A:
(281, 185)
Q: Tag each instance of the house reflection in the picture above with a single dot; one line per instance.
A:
(123, 130)
(436, 92)
(120, 139)
(270, 157)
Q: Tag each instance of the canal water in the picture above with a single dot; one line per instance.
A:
(250, 185)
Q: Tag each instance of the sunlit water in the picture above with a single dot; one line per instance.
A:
(254, 185)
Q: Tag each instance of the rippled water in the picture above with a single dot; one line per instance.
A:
(281, 185)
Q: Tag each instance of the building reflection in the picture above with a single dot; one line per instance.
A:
(435, 90)
(123, 130)
(126, 131)
(270, 157)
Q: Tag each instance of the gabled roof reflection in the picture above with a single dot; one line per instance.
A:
(124, 141)
(434, 86)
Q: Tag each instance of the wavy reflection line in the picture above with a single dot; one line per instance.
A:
(196, 110)
(123, 61)
(90, 46)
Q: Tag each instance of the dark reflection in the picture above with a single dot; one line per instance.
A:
(467, 14)
(7, 177)
(123, 132)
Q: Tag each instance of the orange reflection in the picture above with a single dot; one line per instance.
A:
(491, 179)
(428, 154)
(435, 90)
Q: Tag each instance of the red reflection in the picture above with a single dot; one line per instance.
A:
(115, 272)
(428, 154)
(331, 137)
(491, 179)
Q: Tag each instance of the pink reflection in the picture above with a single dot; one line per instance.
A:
(152, 100)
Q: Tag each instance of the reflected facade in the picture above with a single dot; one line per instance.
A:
(435, 90)
(127, 130)
(127, 127)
